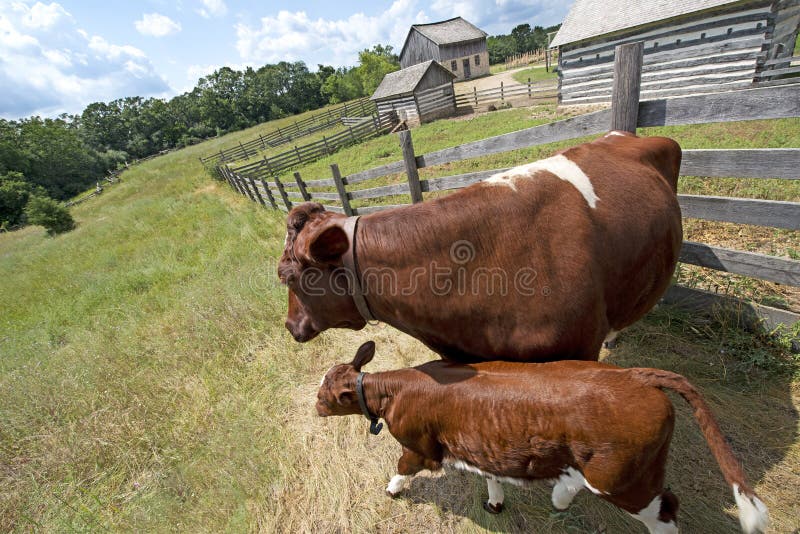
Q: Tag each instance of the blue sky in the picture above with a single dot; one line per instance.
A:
(57, 57)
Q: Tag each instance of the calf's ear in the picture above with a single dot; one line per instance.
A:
(346, 397)
(328, 244)
(364, 355)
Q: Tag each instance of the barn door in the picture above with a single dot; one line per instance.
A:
(467, 73)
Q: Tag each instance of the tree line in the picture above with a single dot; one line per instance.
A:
(522, 39)
(62, 157)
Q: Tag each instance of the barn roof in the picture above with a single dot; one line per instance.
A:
(592, 18)
(449, 31)
(404, 81)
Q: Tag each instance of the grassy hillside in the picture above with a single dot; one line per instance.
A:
(147, 382)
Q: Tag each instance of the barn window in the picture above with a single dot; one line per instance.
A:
(477, 60)
(454, 65)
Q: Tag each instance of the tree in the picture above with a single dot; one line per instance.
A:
(14, 195)
(374, 65)
(47, 212)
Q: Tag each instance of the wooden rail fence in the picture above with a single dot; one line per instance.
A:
(362, 107)
(547, 90)
(337, 192)
(299, 155)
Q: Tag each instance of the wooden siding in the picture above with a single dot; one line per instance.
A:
(693, 55)
(418, 49)
(459, 50)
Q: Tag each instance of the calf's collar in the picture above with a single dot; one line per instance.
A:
(350, 264)
(374, 426)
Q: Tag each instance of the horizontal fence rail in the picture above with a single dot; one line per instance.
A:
(360, 108)
(530, 90)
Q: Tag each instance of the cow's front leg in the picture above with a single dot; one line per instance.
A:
(409, 464)
(495, 503)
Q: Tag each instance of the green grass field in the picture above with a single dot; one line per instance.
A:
(147, 382)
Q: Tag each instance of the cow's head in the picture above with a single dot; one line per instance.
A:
(337, 391)
(311, 267)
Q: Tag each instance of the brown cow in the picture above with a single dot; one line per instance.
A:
(542, 261)
(581, 424)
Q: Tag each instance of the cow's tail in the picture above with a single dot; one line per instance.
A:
(753, 514)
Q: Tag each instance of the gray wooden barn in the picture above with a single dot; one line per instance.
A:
(419, 93)
(690, 46)
(455, 43)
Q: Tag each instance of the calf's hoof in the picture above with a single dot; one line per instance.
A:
(493, 508)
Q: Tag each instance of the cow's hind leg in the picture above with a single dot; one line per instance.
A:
(660, 515)
(567, 486)
(409, 464)
(495, 503)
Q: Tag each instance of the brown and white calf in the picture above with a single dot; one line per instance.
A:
(549, 258)
(582, 424)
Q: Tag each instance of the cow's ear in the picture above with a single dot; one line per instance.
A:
(346, 397)
(364, 355)
(328, 244)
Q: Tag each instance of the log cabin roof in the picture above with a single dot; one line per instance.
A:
(593, 18)
(404, 81)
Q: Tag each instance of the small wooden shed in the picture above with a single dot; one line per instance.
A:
(419, 93)
(690, 46)
(456, 44)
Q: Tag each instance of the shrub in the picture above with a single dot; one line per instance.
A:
(47, 212)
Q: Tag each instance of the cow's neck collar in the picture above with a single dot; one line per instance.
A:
(374, 426)
(351, 265)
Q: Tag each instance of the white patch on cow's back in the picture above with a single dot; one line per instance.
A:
(649, 516)
(323, 376)
(559, 165)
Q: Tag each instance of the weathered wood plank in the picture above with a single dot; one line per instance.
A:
(779, 72)
(410, 161)
(302, 186)
(772, 213)
(375, 172)
(762, 103)
(743, 163)
(337, 178)
(376, 192)
(782, 60)
(627, 82)
(324, 196)
(457, 181)
(282, 192)
(589, 124)
(780, 270)
(323, 182)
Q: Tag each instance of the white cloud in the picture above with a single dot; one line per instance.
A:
(39, 15)
(157, 25)
(292, 36)
(49, 66)
(213, 8)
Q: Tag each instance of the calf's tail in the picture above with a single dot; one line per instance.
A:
(753, 514)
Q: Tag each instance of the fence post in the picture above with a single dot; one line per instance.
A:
(243, 149)
(627, 84)
(327, 148)
(410, 161)
(475, 94)
(502, 97)
(297, 153)
(263, 146)
(269, 193)
(255, 190)
(247, 188)
(529, 86)
(302, 186)
(282, 191)
(337, 178)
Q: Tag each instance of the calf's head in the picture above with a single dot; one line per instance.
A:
(337, 392)
(311, 267)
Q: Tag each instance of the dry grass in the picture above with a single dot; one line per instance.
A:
(334, 472)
